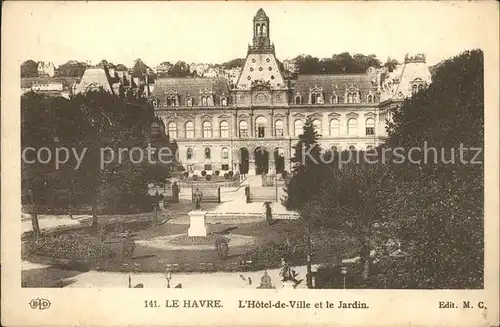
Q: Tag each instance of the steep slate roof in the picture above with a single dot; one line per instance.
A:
(27, 82)
(260, 14)
(339, 82)
(192, 86)
(97, 76)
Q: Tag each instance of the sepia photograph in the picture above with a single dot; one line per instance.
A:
(240, 146)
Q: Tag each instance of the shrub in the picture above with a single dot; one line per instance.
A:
(226, 175)
(128, 247)
(69, 246)
(217, 173)
(208, 177)
(185, 174)
(195, 177)
(222, 247)
(203, 173)
(230, 173)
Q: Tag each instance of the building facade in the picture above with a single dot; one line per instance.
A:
(251, 125)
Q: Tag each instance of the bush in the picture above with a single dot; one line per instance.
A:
(203, 173)
(222, 247)
(195, 177)
(208, 177)
(69, 246)
(128, 247)
(226, 175)
(217, 173)
(185, 174)
(230, 173)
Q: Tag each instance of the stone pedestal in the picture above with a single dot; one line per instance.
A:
(197, 226)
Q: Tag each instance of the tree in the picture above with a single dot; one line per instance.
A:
(238, 62)
(93, 121)
(307, 171)
(391, 64)
(446, 205)
(71, 69)
(140, 68)
(180, 69)
(29, 68)
(307, 174)
(342, 63)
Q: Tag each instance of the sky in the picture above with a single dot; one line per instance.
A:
(215, 32)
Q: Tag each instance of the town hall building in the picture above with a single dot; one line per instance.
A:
(252, 125)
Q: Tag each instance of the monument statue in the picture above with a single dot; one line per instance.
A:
(198, 196)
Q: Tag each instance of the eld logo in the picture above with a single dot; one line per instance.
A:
(40, 304)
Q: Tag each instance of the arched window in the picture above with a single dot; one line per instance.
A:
(204, 101)
(264, 29)
(189, 130)
(278, 128)
(298, 99)
(224, 129)
(369, 98)
(207, 129)
(243, 129)
(313, 98)
(225, 153)
(370, 126)
(297, 127)
(352, 127)
(223, 101)
(257, 29)
(335, 99)
(334, 127)
(349, 98)
(420, 87)
(172, 130)
(317, 125)
(260, 126)
(189, 154)
(208, 153)
(355, 98)
(414, 88)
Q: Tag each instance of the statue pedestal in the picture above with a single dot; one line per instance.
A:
(197, 225)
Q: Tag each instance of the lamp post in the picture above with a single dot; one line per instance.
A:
(343, 271)
(168, 276)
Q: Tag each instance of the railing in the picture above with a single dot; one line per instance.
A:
(210, 194)
(203, 184)
(170, 193)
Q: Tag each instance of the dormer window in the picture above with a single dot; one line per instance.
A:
(298, 99)
(334, 99)
(172, 100)
(316, 95)
(223, 100)
(370, 98)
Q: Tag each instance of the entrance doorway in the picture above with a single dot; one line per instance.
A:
(279, 160)
(243, 157)
(261, 160)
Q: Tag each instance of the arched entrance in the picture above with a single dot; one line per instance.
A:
(279, 160)
(261, 156)
(243, 157)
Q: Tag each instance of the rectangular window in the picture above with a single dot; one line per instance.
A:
(370, 131)
(225, 167)
(207, 167)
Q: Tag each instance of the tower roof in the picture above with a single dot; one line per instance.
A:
(260, 14)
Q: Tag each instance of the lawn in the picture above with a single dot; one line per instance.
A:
(152, 259)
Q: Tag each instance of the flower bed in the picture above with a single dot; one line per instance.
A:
(70, 246)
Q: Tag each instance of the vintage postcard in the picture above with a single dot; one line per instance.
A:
(250, 163)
